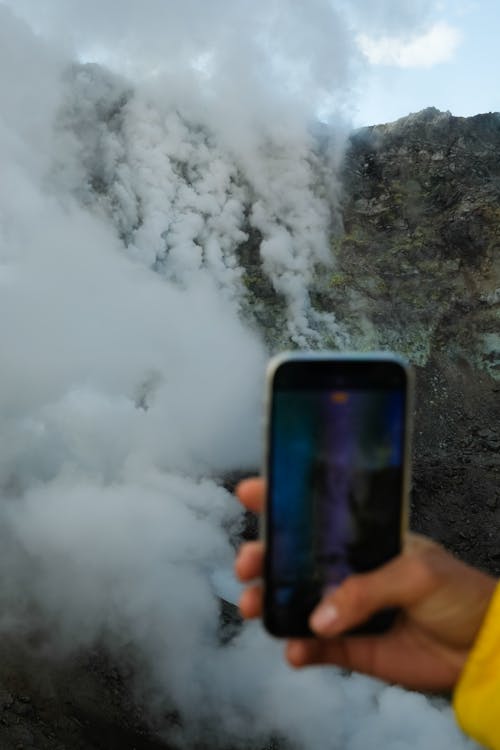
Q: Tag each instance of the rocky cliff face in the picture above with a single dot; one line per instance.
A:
(418, 265)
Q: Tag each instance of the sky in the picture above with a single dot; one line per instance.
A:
(389, 58)
(451, 64)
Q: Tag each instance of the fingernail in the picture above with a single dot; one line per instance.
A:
(324, 617)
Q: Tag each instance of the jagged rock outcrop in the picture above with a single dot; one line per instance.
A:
(418, 265)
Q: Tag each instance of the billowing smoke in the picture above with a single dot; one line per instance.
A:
(130, 379)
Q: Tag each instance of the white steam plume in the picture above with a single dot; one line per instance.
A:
(124, 390)
(183, 195)
(252, 78)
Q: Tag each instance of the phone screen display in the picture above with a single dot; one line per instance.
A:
(336, 462)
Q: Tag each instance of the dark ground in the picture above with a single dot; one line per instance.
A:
(456, 476)
(83, 703)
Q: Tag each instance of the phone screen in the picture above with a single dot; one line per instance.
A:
(335, 475)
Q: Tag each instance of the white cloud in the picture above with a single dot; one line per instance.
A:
(437, 45)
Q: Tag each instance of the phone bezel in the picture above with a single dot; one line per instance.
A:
(350, 362)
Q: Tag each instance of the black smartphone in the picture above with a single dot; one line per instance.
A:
(337, 470)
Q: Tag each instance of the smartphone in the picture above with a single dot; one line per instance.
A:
(337, 469)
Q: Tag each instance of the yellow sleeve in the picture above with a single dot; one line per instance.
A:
(476, 698)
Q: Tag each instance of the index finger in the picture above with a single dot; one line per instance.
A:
(251, 493)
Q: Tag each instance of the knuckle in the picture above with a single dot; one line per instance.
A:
(239, 562)
(423, 567)
(356, 595)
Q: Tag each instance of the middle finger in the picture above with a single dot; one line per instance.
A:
(249, 561)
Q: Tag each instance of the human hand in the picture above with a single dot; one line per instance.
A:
(442, 603)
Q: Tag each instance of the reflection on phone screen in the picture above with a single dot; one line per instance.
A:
(335, 488)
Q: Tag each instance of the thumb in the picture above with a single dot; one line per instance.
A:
(399, 583)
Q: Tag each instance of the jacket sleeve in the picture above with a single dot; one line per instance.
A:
(476, 699)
